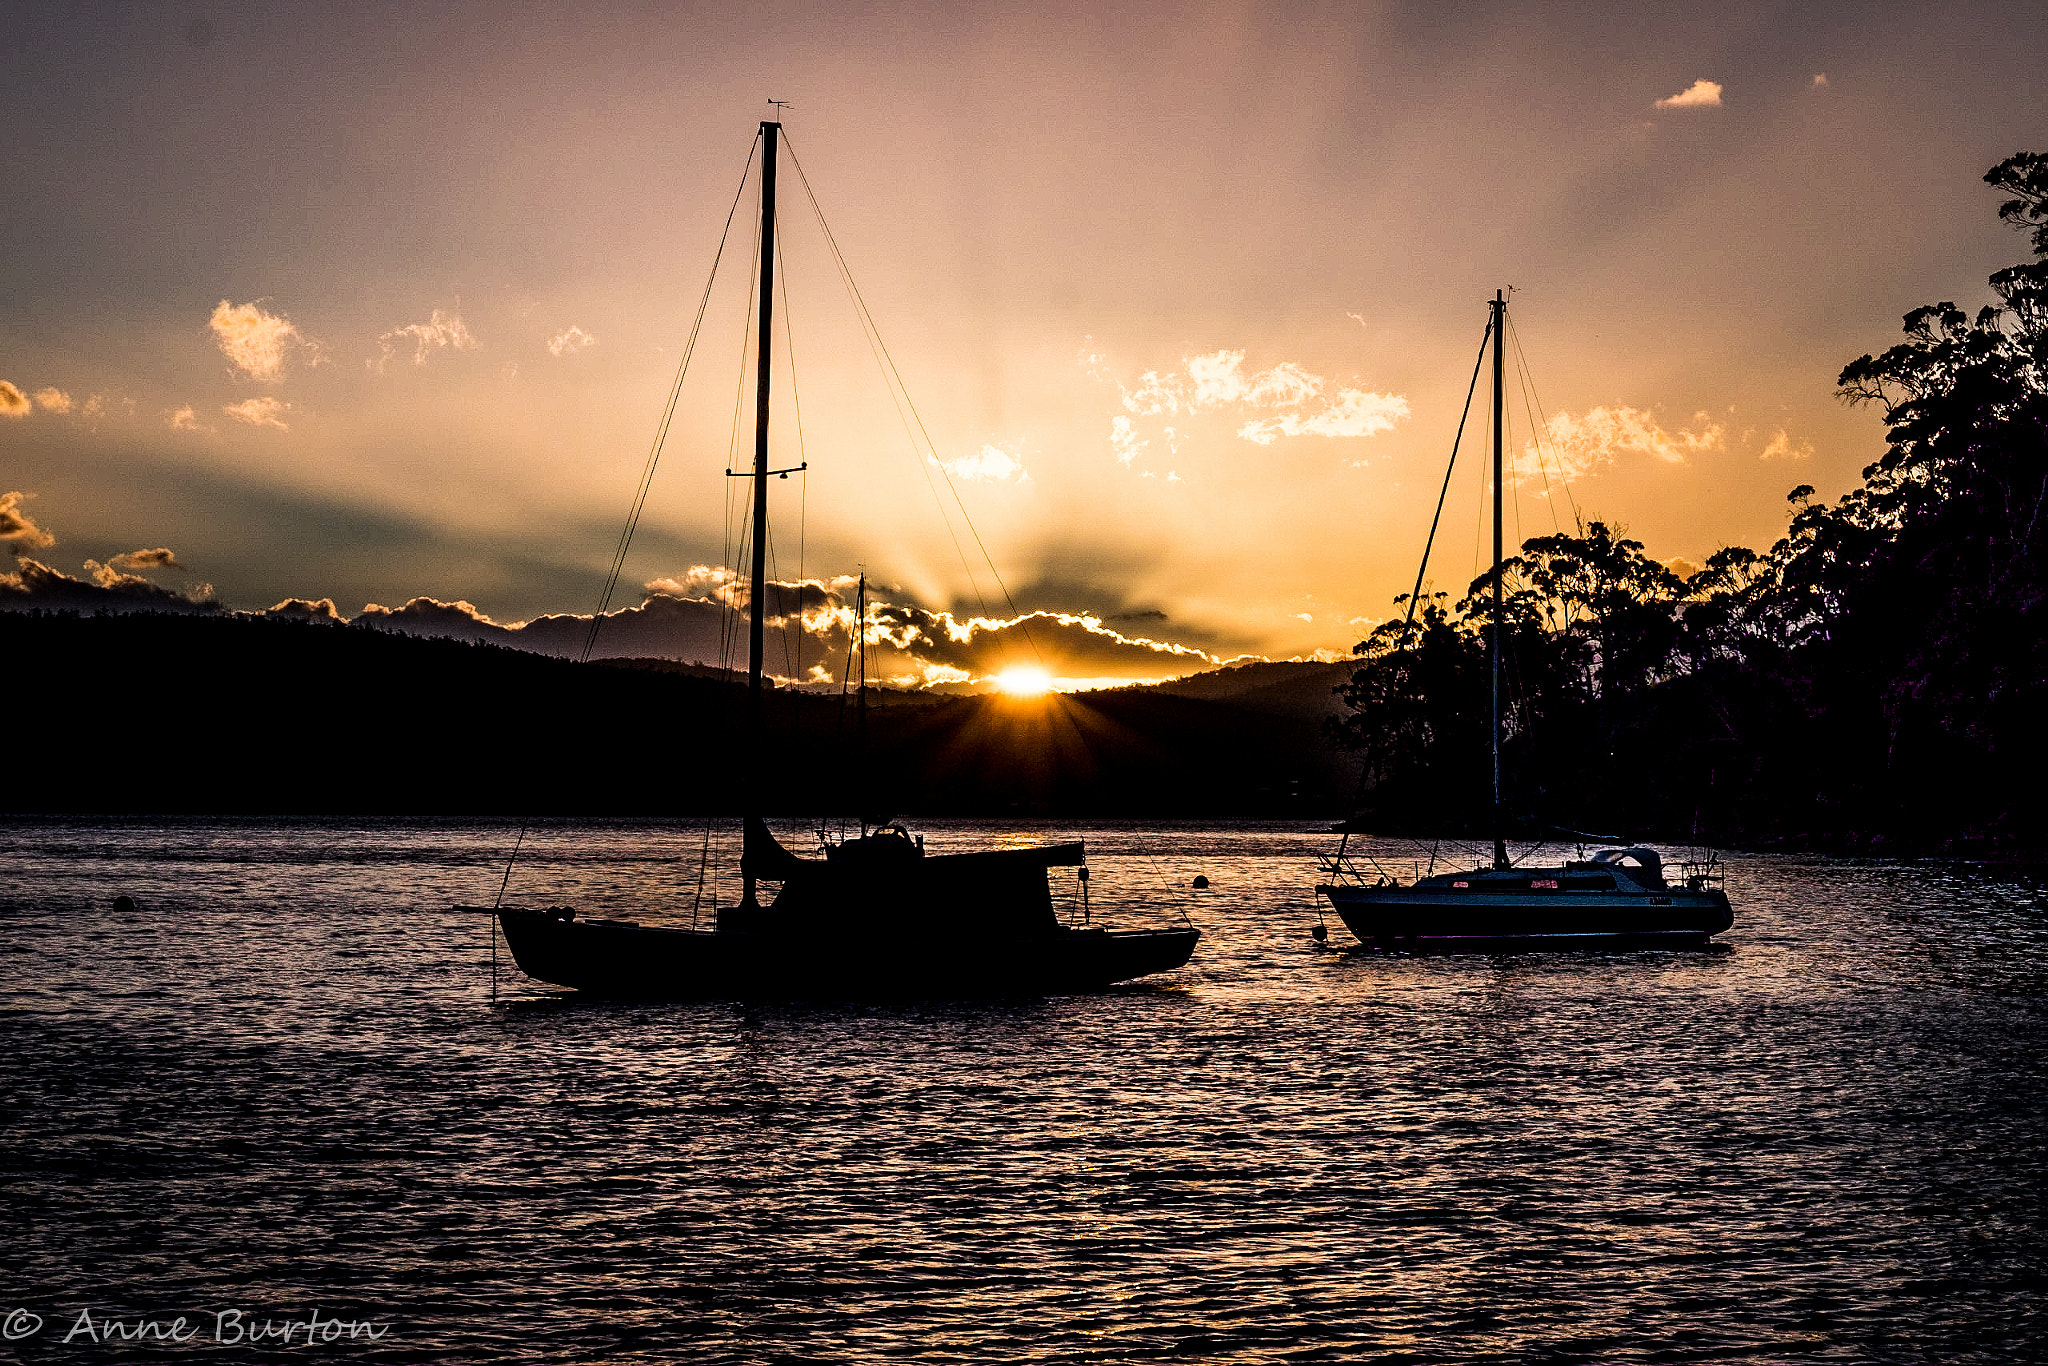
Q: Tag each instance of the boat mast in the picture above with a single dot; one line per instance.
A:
(861, 705)
(757, 579)
(1500, 843)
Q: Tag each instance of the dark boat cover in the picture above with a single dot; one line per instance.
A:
(999, 893)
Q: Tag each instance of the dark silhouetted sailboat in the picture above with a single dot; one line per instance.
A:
(876, 916)
(1617, 898)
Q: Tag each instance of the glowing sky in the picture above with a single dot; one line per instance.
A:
(380, 302)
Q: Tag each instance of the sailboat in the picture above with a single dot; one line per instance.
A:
(876, 916)
(1617, 898)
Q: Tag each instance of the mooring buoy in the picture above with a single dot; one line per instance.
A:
(124, 905)
(1200, 882)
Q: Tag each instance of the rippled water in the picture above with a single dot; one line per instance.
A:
(281, 1087)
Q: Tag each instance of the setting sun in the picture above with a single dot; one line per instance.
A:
(1025, 682)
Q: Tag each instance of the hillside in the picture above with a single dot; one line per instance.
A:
(159, 713)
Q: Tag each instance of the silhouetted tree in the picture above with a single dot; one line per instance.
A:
(1879, 672)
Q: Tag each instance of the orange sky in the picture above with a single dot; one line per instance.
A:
(1187, 296)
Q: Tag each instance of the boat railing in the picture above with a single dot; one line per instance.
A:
(1699, 875)
(1344, 869)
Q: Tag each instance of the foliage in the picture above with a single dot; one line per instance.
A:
(1875, 678)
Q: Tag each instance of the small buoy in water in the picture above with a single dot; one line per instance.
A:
(124, 905)
(1200, 882)
(1320, 933)
(1084, 872)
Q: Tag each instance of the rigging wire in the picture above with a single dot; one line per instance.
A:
(1408, 626)
(899, 393)
(703, 864)
(1542, 425)
(1479, 511)
(793, 642)
(1537, 444)
(728, 631)
(1507, 428)
(1456, 441)
(668, 413)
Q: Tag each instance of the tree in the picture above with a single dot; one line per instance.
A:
(1881, 671)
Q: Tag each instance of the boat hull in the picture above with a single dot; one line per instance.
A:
(1442, 918)
(610, 958)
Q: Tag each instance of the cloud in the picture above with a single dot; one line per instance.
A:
(917, 647)
(258, 343)
(1573, 447)
(1352, 413)
(1124, 440)
(570, 342)
(259, 412)
(159, 558)
(1820, 78)
(441, 332)
(693, 618)
(318, 610)
(667, 625)
(1780, 447)
(697, 617)
(991, 463)
(54, 399)
(17, 528)
(1297, 399)
(13, 402)
(1217, 378)
(1698, 95)
(183, 419)
(116, 574)
(35, 585)
(1681, 566)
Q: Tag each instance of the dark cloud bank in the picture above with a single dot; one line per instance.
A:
(699, 619)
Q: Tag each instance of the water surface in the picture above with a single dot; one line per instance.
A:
(281, 1086)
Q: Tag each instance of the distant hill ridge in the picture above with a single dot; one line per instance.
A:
(151, 712)
(1289, 687)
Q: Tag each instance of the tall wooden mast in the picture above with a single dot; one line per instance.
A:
(757, 578)
(1500, 316)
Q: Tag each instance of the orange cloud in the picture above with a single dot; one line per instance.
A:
(159, 558)
(257, 343)
(259, 412)
(13, 402)
(1297, 398)
(1573, 447)
(1698, 95)
(54, 399)
(1780, 447)
(991, 463)
(17, 528)
(440, 332)
(568, 343)
(1352, 413)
